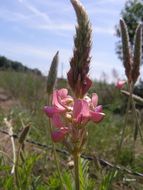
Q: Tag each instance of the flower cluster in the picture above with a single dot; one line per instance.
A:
(69, 116)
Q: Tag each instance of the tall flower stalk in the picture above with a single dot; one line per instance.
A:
(131, 62)
(69, 115)
(79, 65)
(78, 74)
(51, 82)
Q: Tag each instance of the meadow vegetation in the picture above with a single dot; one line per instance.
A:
(112, 155)
(29, 92)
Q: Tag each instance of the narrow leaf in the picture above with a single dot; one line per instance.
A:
(24, 134)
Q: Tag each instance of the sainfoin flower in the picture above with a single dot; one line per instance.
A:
(69, 115)
(120, 84)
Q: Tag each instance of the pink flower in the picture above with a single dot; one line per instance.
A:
(120, 84)
(80, 111)
(59, 97)
(60, 102)
(68, 115)
(96, 114)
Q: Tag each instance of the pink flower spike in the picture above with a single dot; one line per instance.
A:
(57, 121)
(120, 84)
(96, 116)
(81, 111)
(58, 136)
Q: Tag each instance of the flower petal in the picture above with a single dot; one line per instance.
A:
(57, 121)
(80, 111)
(94, 100)
(50, 111)
(58, 136)
(96, 116)
(55, 101)
(63, 93)
(99, 108)
(60, 99)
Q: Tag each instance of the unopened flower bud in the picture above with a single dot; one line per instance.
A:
(52, 76)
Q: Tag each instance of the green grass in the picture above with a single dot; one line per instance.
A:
(38, 172)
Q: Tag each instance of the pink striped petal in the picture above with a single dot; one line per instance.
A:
(60, 99)
(55, 101)
(63, 93)
(80, 111)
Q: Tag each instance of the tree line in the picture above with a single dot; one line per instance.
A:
(7, 64)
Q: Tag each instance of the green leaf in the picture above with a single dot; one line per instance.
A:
(108, 179)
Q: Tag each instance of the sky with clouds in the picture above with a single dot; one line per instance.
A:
(31, 31)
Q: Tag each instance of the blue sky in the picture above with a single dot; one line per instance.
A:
(31, 31)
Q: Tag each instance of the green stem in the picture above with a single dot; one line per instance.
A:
(54, 150)
(125, 122)
(136, 119)
(76, 169)
(16, 172)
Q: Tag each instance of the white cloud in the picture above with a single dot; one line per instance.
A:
(104, 30)
(35, 11)
(65, 27)
(12, 16)
(35, 19)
